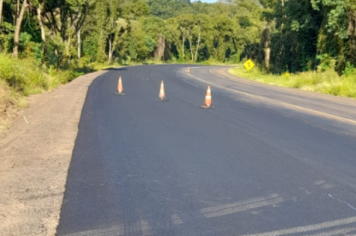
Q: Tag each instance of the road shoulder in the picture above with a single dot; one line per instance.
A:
(341, 108)
(35, 157)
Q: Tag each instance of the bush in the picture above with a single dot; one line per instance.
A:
(349, 70)
(25, 76)
(22, 77)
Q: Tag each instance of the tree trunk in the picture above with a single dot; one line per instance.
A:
(110, 50)
(352, 40)
(39, 17)
(114, 42)
(183, 40)
(267, 57)
(282, 27)
(265, 40)
(198, 45)
(283, 15)
(67, 46)
(191, 48)
(1, 4)
(79, 45)
(16, 12)
(161, 46)
(18, 29)
(18, 8)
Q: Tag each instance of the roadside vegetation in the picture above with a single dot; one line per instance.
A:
(45, 43)
(20, 78)
(327, 82)
(306, 44)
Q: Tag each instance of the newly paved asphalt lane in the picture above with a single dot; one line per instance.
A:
(266, 161)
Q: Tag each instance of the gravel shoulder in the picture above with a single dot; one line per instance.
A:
(34, 159)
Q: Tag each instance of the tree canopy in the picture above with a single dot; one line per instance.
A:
(280, 35)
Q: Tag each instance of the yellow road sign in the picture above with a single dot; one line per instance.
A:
(249, 64)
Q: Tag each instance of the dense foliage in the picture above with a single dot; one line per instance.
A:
(61, 32)
(280, 35)
(305, 34)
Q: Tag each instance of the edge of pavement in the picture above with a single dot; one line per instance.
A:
(223, 73)
(35, 156)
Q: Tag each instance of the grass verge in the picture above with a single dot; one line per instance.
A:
(20, 78)
(327, 82)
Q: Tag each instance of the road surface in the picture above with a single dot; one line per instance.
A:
(266, 161)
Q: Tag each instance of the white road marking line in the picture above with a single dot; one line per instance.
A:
(287, 105)
(352, 207)
(308, 228)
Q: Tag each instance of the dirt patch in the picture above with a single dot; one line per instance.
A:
(9, 104)
(34, 159)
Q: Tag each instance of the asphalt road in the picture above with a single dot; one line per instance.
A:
(266, 161)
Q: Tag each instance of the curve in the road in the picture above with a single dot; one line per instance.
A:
(142, 167)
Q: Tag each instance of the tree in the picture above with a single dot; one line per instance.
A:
(101, 15)
(1, 5)
(185, 26)
(202, 27)
(337, 33)
(155, 31)
(268, 19)
(66, 17)
(223, 35)
(169, 8)
(18, 28)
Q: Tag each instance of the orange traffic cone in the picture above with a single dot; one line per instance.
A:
(188, 70)
(162, 95)
(120, 89)
(208, 99)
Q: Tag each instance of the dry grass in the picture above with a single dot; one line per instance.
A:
(10, 102)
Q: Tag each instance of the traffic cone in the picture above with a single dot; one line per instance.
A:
(120, 89)
(162, 95)
(208, 99)
(188, 70)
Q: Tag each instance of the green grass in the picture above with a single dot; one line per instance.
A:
(26, 77)
(327, 82)
(20, 78)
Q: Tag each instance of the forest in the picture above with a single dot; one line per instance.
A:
(293, 35)
(44, 43)
(281, 35)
